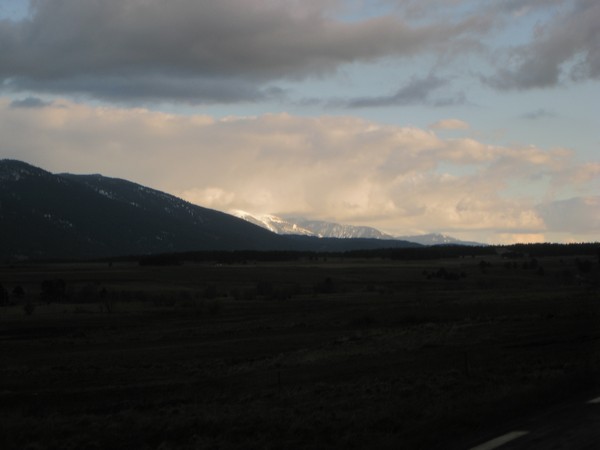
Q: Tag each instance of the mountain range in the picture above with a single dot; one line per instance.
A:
(48, 216)
(323, 229)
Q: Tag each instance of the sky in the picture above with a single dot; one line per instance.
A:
(472, 118)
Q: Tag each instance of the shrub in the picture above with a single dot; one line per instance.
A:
(28, 308)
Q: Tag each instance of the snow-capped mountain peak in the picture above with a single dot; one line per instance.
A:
(302, 226)
(273, 223)
(323, 229)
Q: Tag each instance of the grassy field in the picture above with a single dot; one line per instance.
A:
(319, 354)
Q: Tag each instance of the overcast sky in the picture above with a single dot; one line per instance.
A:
(474, 118)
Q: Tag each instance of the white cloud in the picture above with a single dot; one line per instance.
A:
(341, 168)
(520, 238)
(449, 124)
(210, 197)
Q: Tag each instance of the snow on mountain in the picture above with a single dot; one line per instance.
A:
(301, 226)
(329, 229)
(273, 223)
(13, 170)
(319, 228)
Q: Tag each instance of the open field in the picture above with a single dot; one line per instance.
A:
(320, 353)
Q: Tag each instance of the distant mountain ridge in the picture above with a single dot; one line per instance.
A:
(438, 239)
(323, 229)
(49, 216)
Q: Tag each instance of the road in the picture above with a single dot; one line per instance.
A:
(572, 425)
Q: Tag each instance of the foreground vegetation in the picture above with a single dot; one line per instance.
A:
(321, 351)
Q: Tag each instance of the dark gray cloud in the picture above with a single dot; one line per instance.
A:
(150, 87)
(416, 91)
(566, 47)
(205, 49)
(30, 102)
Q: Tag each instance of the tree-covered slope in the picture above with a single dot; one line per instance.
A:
(43, 215)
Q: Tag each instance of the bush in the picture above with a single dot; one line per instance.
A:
(28, 308)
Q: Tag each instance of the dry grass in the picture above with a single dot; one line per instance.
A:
(377, 359)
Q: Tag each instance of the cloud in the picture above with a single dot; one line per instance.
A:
(427, 8)
(539, 113)
(416, 91)
(210, 197)
(564, 48)
(202, 51)
(580, 215)
(196, 50)
(521, 238)
(517, 8)
(30, 102)
(151, 87)
(449, 124)
(346, 169)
